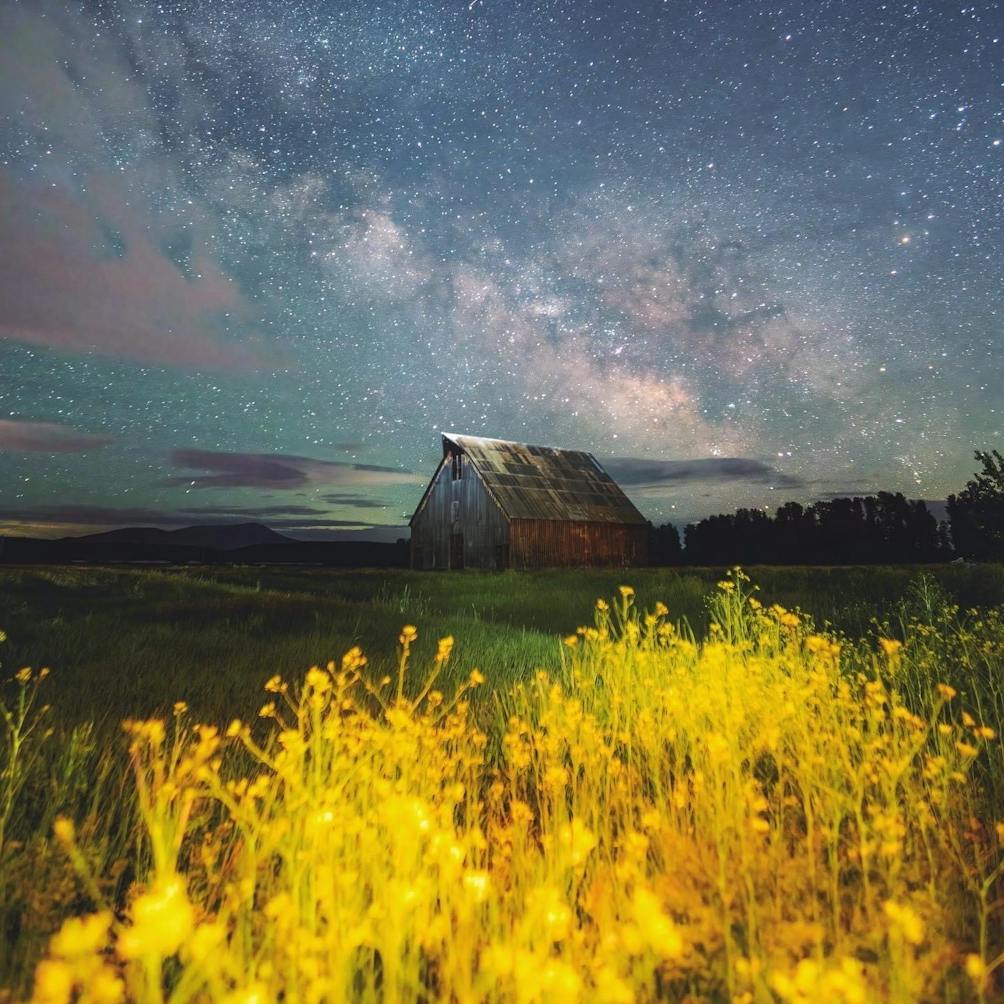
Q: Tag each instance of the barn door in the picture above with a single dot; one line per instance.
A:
(456, 550)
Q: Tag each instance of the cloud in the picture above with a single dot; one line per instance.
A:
(86, 273)
(320, 524)
(355, 501)
(277, 471)
(257, 511)
(91, 515)
(285, 515)
(106, 244)
(638, 472)
(46, 437)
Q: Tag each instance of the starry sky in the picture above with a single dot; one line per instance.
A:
(256, 256)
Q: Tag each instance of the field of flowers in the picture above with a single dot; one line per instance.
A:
(772, 811)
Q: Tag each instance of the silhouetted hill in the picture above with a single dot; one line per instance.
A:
(245, 543)
(223, 537)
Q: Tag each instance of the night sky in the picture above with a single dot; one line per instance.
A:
(256, 256)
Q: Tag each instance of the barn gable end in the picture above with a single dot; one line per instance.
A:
(457, 523)
(497, 504)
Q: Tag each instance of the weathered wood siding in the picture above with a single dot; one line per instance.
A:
(456, 512)
(556, 543)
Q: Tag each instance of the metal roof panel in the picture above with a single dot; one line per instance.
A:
(543, 482)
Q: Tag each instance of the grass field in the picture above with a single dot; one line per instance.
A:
(791, 794)
(126, 642)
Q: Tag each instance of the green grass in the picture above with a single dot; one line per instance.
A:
(129, 642)
(126, 642)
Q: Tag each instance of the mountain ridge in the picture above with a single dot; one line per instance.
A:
(218, 536)
(219, 543)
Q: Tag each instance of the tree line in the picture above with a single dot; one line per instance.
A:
(885, 528)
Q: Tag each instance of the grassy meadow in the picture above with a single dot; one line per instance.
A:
(126, 642)
(508, 787)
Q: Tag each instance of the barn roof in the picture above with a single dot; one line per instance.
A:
(541, 482)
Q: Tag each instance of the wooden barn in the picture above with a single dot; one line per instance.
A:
(496, 504)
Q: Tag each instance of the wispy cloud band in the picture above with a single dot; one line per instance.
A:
(218, 469)
(639, 473)
(18, 436)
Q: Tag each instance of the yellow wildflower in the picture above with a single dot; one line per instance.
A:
(81, 935)
(63, 829)
(890, 646)
(54, 982)
(905, 921)
(578, 840)
(161, 918)
(657, 929)
(478, 884)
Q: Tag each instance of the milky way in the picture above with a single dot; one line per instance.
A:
(257, 256)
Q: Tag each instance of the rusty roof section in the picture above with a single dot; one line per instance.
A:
(542, 482)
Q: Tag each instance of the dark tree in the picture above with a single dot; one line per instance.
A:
(886, 528)
(921, 534)
(743, 538)
(795, 535)
(664, 545)
(976, 514)
(843, 532)
(945, 548)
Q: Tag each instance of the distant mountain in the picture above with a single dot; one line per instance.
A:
(233, 543)
(218, 537)
(142, 535)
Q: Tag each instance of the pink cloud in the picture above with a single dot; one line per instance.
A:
(220, 469)
(63, 287)
(45, 437)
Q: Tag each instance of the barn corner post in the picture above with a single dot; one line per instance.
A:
(496, 504)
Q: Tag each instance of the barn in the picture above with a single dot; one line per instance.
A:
(495, 504)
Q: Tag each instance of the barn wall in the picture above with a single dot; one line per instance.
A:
(464, 509)
(554, 543)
